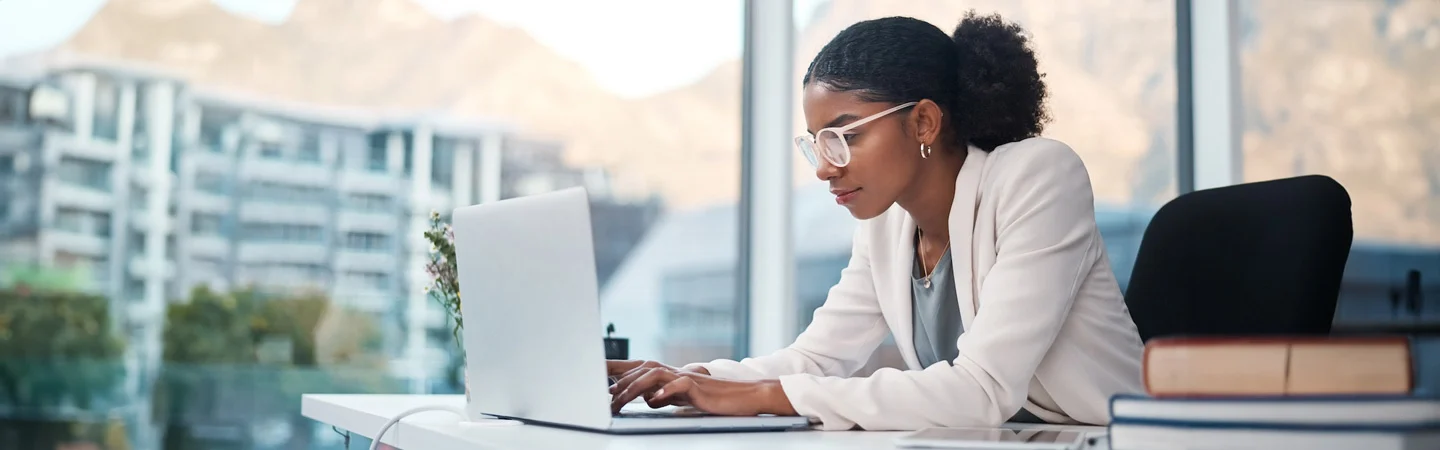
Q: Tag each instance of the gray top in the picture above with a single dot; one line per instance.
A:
(936, 312)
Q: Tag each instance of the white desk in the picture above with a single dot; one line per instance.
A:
(365, 414)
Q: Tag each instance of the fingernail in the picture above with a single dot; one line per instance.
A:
(660, 393)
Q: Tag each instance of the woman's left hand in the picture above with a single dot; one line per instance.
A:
(664, 386)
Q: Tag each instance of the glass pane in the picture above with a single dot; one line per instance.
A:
(269, 275)
(107, 109)
(652, 127)
(1346, 89)
(1110, 70)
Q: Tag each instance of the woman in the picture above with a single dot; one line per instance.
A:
(977, 249)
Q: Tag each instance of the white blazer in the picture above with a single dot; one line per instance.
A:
(1046, 327)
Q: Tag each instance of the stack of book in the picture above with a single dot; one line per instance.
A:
(1276, 393)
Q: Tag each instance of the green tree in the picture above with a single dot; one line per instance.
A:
(60, 368)
(266, 350)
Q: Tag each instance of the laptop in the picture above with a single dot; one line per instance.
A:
(533, 334)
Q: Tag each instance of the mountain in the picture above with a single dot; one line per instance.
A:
(1348, 90)
(1340, 87)
(1112, 95)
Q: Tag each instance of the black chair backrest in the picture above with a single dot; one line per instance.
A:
(1260, 258)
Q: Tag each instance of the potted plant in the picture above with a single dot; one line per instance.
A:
(444, 285)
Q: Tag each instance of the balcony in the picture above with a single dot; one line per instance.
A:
(260, 211)
(83, 197)
(201, 201)
(216, 281)
(19, 136)
(211, 162)
(287, 172)
(143, 267)
(372, 183)
(209, 246)
(291, 281)
(69, 144)
(77, 243)
(141, 175)
(141, 313)
(366, 261)
(141, 221)
(369, 221)
(367, 299)
(286, 252)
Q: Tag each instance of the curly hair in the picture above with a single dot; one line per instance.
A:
(984, 76)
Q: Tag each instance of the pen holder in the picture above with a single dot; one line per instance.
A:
(617, 348)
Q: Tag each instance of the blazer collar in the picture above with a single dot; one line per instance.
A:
(962, 228)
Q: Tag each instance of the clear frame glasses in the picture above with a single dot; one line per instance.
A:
(831, 144)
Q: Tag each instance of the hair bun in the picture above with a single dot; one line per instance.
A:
(997, 71)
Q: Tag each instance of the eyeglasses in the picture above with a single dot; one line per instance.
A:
(832, 144)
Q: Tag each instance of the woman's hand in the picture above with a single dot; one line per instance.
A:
(662, 385)
(618, 368)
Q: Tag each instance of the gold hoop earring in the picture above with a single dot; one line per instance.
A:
(925, 151)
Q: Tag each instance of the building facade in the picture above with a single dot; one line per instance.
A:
(153, 186)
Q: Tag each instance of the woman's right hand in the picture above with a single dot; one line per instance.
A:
(617, 369)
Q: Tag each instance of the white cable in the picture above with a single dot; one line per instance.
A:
(375, 444)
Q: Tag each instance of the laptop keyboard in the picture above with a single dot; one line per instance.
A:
(660, 414)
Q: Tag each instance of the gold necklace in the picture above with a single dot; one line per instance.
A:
(921, 247)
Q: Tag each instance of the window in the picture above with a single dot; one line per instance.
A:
(210, 182)
(14, 106)
(282, 232)
(134, 289)
(631, 120)
(367, 241)
(376, 160)
(202, 224)
(283, 276)
(442, 162)
(369, 280)
(84, 172)
(175, 151)
(140, 140)
(408, 142)
(70, 219)
(215, 123)
(107, 109)
(101, 221)
(82, 221)
(1345, 89)
(309, 145)
(270, 150)
(1110, 71)
(369, 202)
(209, 265)
(287, 193)
(353, 149)
(136, 242)
(139, 200)
(669, 224)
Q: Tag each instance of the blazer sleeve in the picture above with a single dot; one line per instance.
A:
(1046, 232)
(845, 330)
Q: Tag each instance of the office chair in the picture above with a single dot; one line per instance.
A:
(1260, 258)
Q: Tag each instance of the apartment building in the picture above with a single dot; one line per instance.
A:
(156, 186)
